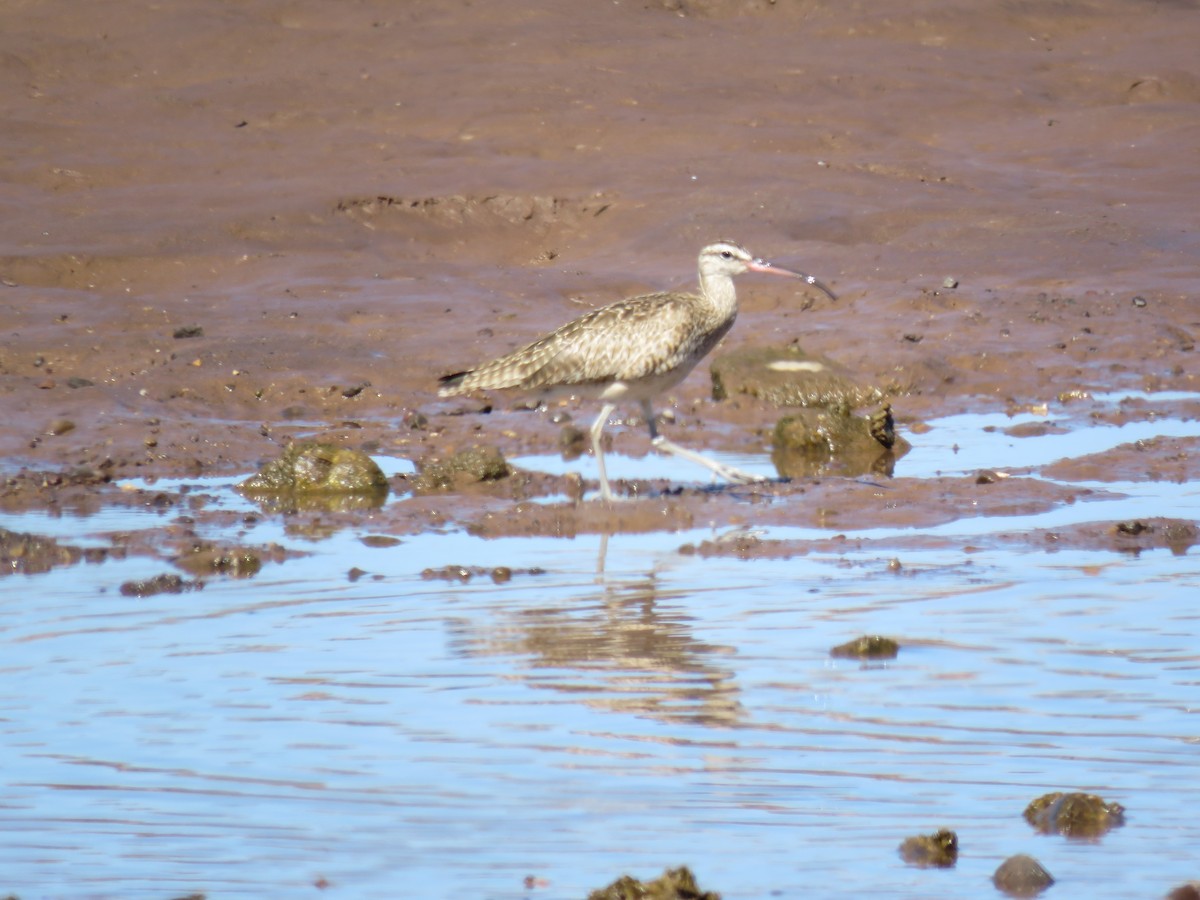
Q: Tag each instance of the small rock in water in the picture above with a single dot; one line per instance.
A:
(1188, 891)
(937, 850)
(1074, 814)
(311, 467)
(872, 646)
(811, 442)
(477, 463)
(673, 884)
(1021, 876)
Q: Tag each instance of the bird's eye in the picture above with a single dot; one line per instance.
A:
(726, 254)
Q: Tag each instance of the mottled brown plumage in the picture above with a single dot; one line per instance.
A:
(632, 350)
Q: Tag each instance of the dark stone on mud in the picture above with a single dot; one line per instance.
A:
(787, 376)
(415, 420)
(872, 646)
(159, 584)
(76, 382)
(673, 884)
(937, 850)
(476, 464)
(1132, 527)
(1074, 815)
(571, 441)
(188, 331)
(813, 442)
(1021, 876)
(315, 468)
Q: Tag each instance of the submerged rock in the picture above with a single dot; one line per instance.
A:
(316, 468)
(1074, 814)
(937, 850)
(869, 646)
(673, 884)
(1021, 876)
(477, 463)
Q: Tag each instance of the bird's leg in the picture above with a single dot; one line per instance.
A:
(597, 429)
(729, 473)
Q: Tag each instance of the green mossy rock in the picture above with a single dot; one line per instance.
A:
(869, 646)
(673, 884)
(316, 468)
(473, 465)
(1074, 815)
(938, 850)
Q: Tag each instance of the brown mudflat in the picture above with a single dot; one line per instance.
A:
(231, 225)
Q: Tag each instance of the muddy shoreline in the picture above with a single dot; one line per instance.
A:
(214, 253)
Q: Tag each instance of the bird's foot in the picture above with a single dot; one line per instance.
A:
(737, 476)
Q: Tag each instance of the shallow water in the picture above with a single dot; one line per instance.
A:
(388, 730)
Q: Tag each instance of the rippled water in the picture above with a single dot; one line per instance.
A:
(391, 734)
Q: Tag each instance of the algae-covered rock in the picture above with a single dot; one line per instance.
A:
(937, 850)
(869, 646)
(475, 464)
(787, 376)
(1074, 814)
(316, 468)
(673, 884)
(1021, 876)
(811, 442)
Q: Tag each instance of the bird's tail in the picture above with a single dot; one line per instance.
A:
(452, 384)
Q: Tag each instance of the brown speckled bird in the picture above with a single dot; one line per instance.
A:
(632, 350)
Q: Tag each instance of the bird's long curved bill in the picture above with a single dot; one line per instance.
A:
(761, 265)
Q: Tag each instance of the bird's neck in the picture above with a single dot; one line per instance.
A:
(719, 293)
